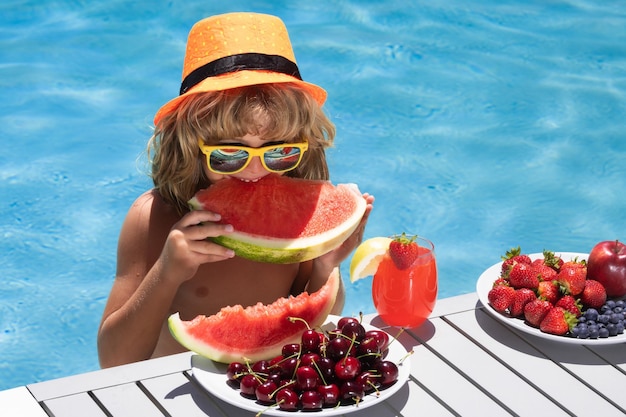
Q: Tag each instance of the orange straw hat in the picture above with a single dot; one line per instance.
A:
(235, 50)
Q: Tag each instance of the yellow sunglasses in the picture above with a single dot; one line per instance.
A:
(230, 159)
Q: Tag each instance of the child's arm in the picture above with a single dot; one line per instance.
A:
(321, 267)
(154, 258)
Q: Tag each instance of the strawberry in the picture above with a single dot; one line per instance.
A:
(549, 291)
(521, 297)
(551, 260)
(572, 277)
(558, 321)
(501, 297)
(545, 272)
(500, 281)
(513, 256)
(569, 303)
(594, 294)
(403, 251)
(523, 275)
(535, 311)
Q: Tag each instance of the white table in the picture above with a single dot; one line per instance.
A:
(465, 363)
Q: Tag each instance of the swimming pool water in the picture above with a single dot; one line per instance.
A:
(481, 125)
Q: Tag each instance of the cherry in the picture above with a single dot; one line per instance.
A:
(347, 368)
(381, 337)
(332, 334)
(388, 372)
(287, 399)
(235, 371)
(338, 348)
(307, 378)
(291, 349)
(368, 346)
(248, 385)
(344, 320)
(351, 390)
(288, 367)
(353, 330)
(310, 341)
(261, 367)
(311, 400)
(369, 380)
(309, 358)
(275, 376)
(326, 368)
(330, 394)
(264, 392)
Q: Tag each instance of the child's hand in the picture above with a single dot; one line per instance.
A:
(187, 247)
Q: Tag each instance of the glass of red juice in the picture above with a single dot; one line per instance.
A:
(406, 298)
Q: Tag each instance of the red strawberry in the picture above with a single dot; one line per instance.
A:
(523, 275)
(403, 251)
(558, 321)
(536, 310)
(500, 281)
(501, 297)
(594, 294)
(569, 303)
(521, 297)
(549, 291)
(513, 256)
(572, 277)
(545, 272)
(551, 260)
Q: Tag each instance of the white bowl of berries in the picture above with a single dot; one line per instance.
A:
(549, 295)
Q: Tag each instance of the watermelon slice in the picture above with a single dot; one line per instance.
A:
(256, 332)
(280, 219)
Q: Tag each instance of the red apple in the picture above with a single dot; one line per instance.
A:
(607, 264)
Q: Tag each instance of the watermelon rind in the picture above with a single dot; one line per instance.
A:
(286, 251)
(256, 332)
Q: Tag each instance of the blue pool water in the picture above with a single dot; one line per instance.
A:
(481, 125)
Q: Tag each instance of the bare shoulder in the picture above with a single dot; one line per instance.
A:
(145, 228)
(150, 210)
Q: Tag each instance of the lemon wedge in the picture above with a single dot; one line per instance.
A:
(367, 257)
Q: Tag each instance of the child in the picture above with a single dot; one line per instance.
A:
(240, 86)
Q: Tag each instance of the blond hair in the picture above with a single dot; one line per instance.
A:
(276, 112)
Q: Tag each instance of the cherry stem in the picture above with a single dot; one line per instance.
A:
(319, 371)
(295, 319)
(409, 353)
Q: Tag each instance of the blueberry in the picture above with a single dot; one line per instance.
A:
(603, 318)
(583, 331)
(603, 332)
(612, 328)
(615, 318)
(591, 314)
(620, 328)
(594, 332)
(617, 309)
(620, 303)
(610, 304)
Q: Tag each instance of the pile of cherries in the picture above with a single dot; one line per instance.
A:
(327, 369)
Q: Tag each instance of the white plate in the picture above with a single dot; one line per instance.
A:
(212, 376)
(485, 283)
